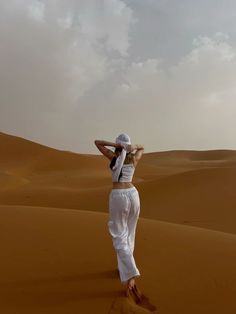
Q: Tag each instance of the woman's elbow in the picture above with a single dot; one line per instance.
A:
(97, 142)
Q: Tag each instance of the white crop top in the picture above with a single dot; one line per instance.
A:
(127, 173)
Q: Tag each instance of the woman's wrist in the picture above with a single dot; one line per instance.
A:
(137, 147)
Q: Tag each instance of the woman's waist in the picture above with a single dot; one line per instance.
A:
(122, 185)
(118, 191)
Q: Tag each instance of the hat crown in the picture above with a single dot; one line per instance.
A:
(123, 138)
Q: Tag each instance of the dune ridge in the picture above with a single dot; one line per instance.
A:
(187, 187)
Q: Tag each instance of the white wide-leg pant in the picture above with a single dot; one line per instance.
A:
(124, 208)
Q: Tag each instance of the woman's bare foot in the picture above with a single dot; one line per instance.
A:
(131, 283)
(133, 291)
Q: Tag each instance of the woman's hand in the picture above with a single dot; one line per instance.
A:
(131, 148)
(119, 146)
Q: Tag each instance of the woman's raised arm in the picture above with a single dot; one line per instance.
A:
(105, 151)
(139, 152)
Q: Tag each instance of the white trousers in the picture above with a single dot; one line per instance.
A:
(124, 208)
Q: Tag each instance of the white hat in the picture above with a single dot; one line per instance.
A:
(123, 139)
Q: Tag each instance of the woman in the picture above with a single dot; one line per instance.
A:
(124, 204)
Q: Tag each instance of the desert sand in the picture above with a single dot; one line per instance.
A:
(56, 252)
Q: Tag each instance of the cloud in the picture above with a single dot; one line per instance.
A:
(36, 10)
(52, 53)
(186, 104)
(75, 70)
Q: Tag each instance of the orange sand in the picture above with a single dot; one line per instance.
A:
(57, 254)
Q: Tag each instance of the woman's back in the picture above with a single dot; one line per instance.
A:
(127, 173)
(127, 170)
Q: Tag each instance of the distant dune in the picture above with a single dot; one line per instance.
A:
(188, 187)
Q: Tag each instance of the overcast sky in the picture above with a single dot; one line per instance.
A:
(163, 71)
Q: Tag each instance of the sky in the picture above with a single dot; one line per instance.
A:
(162, 71)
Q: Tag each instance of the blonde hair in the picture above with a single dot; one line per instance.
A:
(129, 159)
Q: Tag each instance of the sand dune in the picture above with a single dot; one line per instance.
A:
(62, 261)
(56, 252)
(203, 197)
(188, 187)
